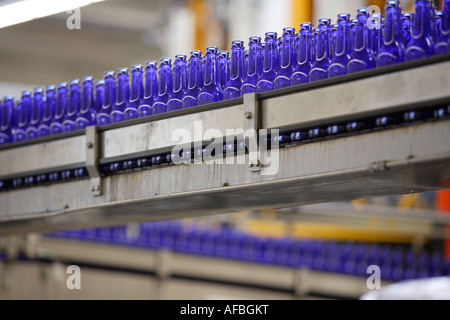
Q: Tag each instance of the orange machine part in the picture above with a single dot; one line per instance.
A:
(443, 205)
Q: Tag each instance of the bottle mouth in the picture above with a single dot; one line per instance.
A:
(88, 79)
(343, 17)
(288, 31)
(224, 54)
(100, 82)
(211, 50)
(152, 64)
(137, 67)
(180, 57)
(271, 35)
(325, 22)
(306, 26)
(38, 90)
(9, 98)
(392, 4)
(51, 88)
(122, 71)
(26, 93)
(254, 40)
(166, 61)
(196, 53)
(237, 44)
(110, 74)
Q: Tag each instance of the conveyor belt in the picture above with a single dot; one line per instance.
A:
(339, 139)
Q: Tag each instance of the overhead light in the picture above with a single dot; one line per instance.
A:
(26, 10)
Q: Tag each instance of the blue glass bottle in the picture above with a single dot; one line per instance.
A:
(333, 35)
(123, 95)
(87, 115)
(179, 74)
(104, 116)
(362, 58)
(22, 116)
(246, 55)
(438, 23)
(56, 125)
(392, 51)
(151, 89)
(287, 59)
(137, 92)
(74, 106)
(338, 65)
(254, 67)
(321, 63)
(407, 26)
(164, 86)
(6, 123)
(194, 78)
(443, 37)
(237, 76)
(48, 111)
(224, 68)
(211, 91)
(35, 113)
(304, 55)
(99, 95)
(270, 63)
(421, 44)
(376, 33)
(353, 28)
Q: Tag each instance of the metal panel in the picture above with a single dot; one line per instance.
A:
(42, 156)
(398, 161)
(387, 92)
(158, 134)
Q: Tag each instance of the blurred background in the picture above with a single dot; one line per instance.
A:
(312, 252)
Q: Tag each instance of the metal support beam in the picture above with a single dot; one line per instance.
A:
(92, 155)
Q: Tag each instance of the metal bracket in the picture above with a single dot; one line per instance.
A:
(251, 129)
(92, 155)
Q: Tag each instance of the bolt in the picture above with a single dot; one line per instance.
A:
(248, 115)
(89, 145)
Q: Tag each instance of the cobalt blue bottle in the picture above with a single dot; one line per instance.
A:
(321, 63)
(407, 26)
(438, 24)
(103, 117)
(224, 68)
(421, 44)
(48, 111)
(194, 78)
(443, 38)
(99, 95)
(56, 125)
(246, 54)
(211, 91)
(179, 74)
(137, 92)
(287, 59)
(270, 63)
(123, 95)
(362, 58)
(304, 55)
(164, 86)
(22, 116)
(333, 35)
(376, 33)
(151, 89)
(254, 67)
(74, 106)
(353, 27)
(87, 114)
(392, 51)
(35, 113)
(338, 66)
(237, 77)
(6, 122)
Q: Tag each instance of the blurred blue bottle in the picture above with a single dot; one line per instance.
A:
(237, 76)
(407, 26)
(87, 114)
(338, 66)
(6, 122)
(376, 33)
(99, 95)
(438, 23)
(304, 55)
(362, 58)
(287, 59)
(353, 28)
(104, 115)
(137, 92)
(164, 86)
(56, 125)
(179, 73)
(22, 116)
(35, 113)
(443, 38)
(421, 44)
(392, 51)
(321, 63)
(74, 106)
(48, 111)
(254, 67)
(270, 63)
(151, 89)
(334, 33)
(314, 43)
(123, 95)
(211, 91)
(194, 80)
(224, 68)
(246, 55)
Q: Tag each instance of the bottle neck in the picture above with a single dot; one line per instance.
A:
(323, 44)
(210, 69)
(254, 59)
(422, 22)
(35, 114)
(123, 90)
(6, 116)
(110, 93)
(194, 73)
(61, 105)
(151, 83)
(343, 45)
(305, 48)
(165, 80)
(237, 63)
(270, 56)
(88, 97)
(392, 32)
(361, 35)
(137, 87)
(179, 77)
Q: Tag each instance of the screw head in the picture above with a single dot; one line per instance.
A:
(89, 145)
(248, 115)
